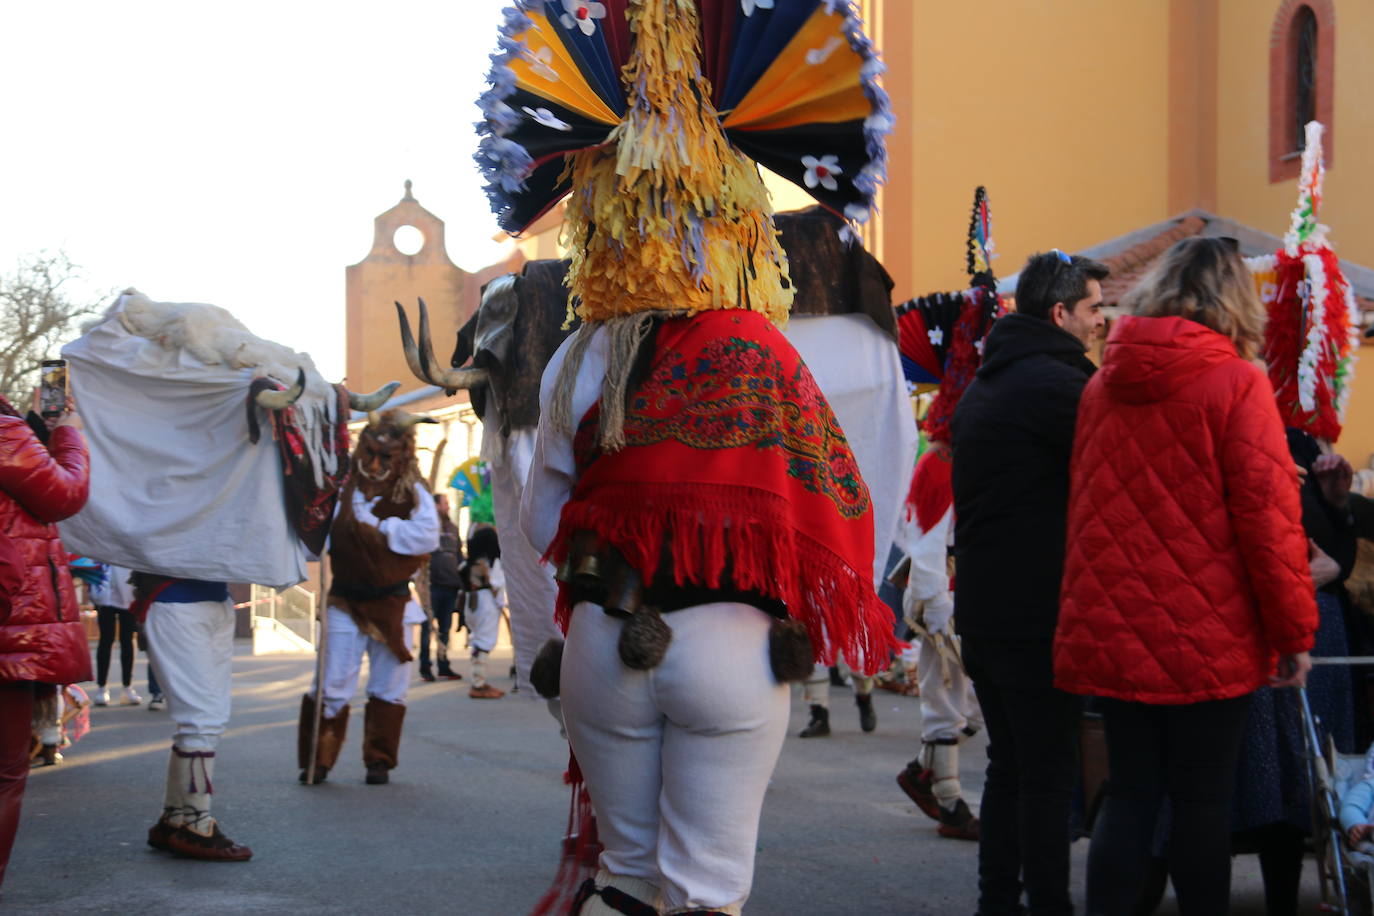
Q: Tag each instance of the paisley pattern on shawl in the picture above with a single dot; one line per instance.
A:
(737, 472)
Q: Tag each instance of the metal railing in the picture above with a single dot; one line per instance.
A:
(289, 612)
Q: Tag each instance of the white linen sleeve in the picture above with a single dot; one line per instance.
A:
(553, 469)
(417, 535)
(929, 579)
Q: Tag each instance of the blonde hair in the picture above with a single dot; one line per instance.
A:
(1204, 280)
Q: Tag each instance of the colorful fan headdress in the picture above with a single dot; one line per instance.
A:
(472, 480)
(1312, 335)
(940, 335)
(649, 113)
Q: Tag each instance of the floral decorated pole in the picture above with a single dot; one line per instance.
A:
(1312, 335)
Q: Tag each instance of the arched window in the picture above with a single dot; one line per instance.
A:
(1301, 66)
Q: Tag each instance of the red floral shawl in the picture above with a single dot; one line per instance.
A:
(734, 459)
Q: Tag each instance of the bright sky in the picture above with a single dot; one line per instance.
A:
(237, 154)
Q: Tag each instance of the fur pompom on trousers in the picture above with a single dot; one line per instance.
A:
(677, 758)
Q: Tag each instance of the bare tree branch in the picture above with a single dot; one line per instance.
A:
(37, 316)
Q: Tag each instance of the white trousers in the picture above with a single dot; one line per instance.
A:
(192, 645)
(484, 620)
(946, 708)
(387, 678)
(677, 758)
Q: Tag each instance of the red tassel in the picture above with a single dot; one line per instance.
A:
(581, 849)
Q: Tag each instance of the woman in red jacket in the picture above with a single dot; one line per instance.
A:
(1186, 579)
(41, 636)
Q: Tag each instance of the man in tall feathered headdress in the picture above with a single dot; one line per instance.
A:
(713, 534)
(943, 335)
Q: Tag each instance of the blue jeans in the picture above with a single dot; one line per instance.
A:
(443, 599)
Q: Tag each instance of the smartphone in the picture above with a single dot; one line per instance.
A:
(52, 387)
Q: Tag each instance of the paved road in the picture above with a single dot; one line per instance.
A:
(471, 822)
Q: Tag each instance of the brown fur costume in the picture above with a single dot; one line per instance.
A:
(370, 580)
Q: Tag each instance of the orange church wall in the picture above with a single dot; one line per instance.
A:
(1245, 193)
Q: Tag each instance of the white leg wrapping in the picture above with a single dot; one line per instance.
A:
(190, 787)
(943, 761)
(479, 668)
(638, 888)
(817, 688)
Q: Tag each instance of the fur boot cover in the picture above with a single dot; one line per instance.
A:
(333, 731)
(382, 732)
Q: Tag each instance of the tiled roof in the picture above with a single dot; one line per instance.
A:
(1133, 262)
(1130, 264)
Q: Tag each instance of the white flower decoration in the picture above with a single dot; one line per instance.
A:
(936, 335)
(547, 118)
(750, 5)
(1269, 292)
(580, 13)
(978, 345)
(541, 62)
(822, 171)
(820, 55)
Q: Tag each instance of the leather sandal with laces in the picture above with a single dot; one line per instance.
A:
(216, 847)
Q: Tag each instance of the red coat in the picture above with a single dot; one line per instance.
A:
(1186, 570)
(41, 635)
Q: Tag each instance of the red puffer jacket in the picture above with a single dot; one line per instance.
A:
(41, 636)
(1186, 570)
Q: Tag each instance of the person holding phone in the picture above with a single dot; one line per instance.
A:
(42, 639)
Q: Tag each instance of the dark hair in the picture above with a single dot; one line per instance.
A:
(483, 543)
(1053, 277)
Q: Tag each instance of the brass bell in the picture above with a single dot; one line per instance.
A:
(624, 591)
(587, 570)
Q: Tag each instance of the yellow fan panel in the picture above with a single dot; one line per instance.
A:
(547, 70)
(832, 83)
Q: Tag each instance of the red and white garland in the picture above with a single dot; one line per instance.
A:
(1312, 334)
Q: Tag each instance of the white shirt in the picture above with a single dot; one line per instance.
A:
(553, 468)
(415, 536)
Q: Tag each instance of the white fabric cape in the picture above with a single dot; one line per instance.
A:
(176, 487)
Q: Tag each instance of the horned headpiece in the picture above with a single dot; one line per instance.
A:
(384, 461)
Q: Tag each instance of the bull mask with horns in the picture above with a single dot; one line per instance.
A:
(425, 365)
(384, 462)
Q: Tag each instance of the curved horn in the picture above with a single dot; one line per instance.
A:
(366, 402)
(448, 379)
(407, 420)
(408, 344)
(279, 400)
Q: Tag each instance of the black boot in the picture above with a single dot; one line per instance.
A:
(868, 719)
(836, 679)
(819, 726)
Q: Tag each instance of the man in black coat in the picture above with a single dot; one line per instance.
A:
(445, 586)
(1013, 437)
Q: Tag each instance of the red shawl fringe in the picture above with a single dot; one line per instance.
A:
(710, 530)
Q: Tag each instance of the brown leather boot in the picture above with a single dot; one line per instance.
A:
(332, 733)
(381, 738)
